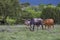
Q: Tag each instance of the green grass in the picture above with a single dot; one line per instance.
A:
(21, 33)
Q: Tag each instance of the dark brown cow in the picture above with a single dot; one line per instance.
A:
(48, 23)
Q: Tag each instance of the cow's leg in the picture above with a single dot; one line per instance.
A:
(45, 26)
(53, 26)
(30, 27)
(33, 27)
(49, 26)
(42, 27)
(37, 27)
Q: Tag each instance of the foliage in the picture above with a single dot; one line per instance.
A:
(34, 13)
(25, 4)
(10, 21)
(9, 8)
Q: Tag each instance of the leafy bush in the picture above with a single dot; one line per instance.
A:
(10, 21)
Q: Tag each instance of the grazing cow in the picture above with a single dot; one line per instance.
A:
(49, 23)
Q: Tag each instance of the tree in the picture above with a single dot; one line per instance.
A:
(41, 7)
(9, 8)
(33, 12)
(58, 5)
(25, 4)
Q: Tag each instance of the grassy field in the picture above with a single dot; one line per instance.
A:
(21, 33)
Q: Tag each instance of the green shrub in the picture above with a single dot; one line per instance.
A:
(10, 21)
